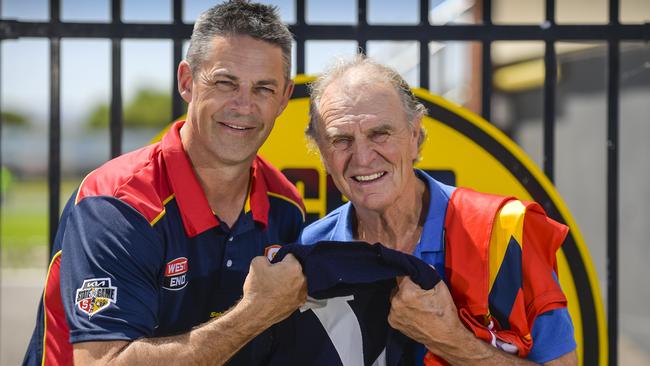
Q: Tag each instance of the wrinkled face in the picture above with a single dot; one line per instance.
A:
(234, 98)
(367, 144)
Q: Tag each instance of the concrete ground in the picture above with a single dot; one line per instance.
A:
(20, 291)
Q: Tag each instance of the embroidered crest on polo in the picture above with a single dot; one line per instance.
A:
(95, 295)
(176, 274)
(271, 251)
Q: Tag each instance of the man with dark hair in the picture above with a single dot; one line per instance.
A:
(158, 257)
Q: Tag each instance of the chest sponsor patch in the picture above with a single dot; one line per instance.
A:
(271, 251)
(176, 274)
(95, 295)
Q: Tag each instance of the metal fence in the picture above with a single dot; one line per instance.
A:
(549, 32)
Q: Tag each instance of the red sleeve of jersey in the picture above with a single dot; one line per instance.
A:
(542, 239)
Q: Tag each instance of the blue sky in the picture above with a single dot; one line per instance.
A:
(85, 62)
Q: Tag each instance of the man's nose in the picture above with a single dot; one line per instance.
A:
(363, 153)
(242, 102)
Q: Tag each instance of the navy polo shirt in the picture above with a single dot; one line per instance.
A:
(139, 253)
(552, 331)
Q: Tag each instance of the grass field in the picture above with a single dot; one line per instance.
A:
(24, 230)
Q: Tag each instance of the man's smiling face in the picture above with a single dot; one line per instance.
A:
(366, 142)
(237, 93)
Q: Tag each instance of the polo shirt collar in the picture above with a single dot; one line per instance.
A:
(433, 231)
(432, 238)
(258, 199)
(343, 229)
(194, 209)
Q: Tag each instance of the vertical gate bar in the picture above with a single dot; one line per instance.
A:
(362, 46)
(550, 83)
(362, 10)
(613, 63)
(54, 159)
(300, 37)
(362, 24)
(486, 80)
(424, 46)
(486, 68)
(612, 201)
(116, 84)
(424, 12)
(116, 97)
(178, 107)
(2, 198)
(177, 101)
(424, 64)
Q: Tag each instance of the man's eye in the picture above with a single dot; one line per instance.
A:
(265, 90)
(379, 136)
(341, 142)
(225, 84)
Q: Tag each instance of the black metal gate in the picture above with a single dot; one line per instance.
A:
(549, 32)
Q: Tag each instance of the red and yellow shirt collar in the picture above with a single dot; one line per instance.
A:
(193, 205)
(258, 199)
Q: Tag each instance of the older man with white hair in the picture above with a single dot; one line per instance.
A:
(367, 125)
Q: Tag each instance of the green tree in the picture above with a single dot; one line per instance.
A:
(6, 179)
(149, 108)
(14, 119)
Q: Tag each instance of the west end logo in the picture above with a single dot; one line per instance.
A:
(95, 295)
(176, 274)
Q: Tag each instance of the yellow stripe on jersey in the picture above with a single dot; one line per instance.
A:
(163, 212)
(509, 223)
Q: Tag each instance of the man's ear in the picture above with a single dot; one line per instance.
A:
(286, 95)
(415, 136)
(185, 81)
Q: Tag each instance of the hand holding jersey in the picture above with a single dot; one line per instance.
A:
(274, 290)
(427, 316)
(430, 317)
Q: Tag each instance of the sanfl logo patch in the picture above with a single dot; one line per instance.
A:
(95, 295)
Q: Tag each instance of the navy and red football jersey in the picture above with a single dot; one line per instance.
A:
(345, 320)
(139, 252)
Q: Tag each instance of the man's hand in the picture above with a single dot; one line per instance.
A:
(429, 317)
(275, 290)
